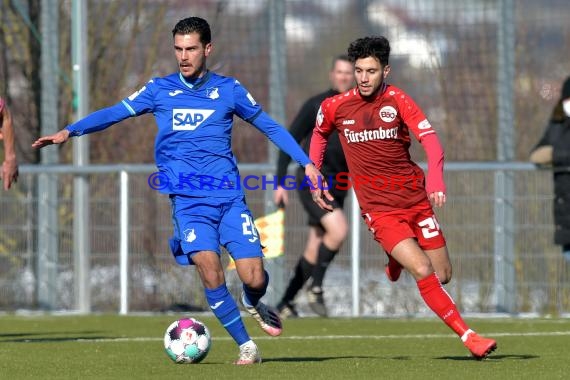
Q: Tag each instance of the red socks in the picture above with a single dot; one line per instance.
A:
(441, 303)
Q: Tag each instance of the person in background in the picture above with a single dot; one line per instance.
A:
(10, 164)
(553, 150)
(327, 230)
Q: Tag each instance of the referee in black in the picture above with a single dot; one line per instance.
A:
(327, 230)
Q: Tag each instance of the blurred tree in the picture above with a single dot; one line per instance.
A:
(119, 62)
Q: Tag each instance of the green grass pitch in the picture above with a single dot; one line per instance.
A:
(130, 347)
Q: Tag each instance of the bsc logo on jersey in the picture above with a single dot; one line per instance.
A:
(388, 114)
(184, 119)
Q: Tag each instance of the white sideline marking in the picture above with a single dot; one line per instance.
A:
(312, 337)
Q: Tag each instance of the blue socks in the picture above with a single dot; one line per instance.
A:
(252, 296)
(226, 310)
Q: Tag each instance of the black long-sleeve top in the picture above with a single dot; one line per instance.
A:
(557, 135)
(302, 129)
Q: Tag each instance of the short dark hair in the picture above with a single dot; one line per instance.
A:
(194, 25)
(340, 57)
(375, 46)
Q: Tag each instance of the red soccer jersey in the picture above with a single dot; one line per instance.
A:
(375, 137)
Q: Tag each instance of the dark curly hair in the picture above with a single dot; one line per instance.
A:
(375, 46)
(194, 25)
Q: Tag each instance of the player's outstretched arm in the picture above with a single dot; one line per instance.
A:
(57, 138)
(94, 122)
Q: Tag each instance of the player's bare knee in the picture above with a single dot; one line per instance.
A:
(211, 278)
(421, 270)
(333, 242)
(335, 233)
(340, 232)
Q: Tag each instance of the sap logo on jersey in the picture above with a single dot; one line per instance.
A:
(184, 119)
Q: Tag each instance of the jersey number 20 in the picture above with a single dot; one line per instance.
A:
(249, 228)
(430, 227)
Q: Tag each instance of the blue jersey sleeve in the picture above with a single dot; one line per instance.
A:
(99, 120)
(280, 137)
(141, 101)
(245, 105)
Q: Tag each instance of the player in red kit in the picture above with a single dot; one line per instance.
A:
(374, 122)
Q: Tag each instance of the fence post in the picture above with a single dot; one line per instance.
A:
(505, 281)
(48, 242)
(124, 241)
(81, 220)
(355, 252)
(277, 95)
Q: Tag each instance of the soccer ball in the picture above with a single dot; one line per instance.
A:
(187, 340)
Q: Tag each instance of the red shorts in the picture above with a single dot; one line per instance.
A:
(418, 222)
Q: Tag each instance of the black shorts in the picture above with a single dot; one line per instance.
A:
(314, 212)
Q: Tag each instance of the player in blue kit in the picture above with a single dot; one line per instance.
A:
(194, 111)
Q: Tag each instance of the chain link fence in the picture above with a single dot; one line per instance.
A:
(445, 55)
(156, 283)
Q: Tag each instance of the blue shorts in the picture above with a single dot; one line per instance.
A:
(205, 223)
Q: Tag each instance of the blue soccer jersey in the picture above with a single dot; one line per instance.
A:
(193, 144)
